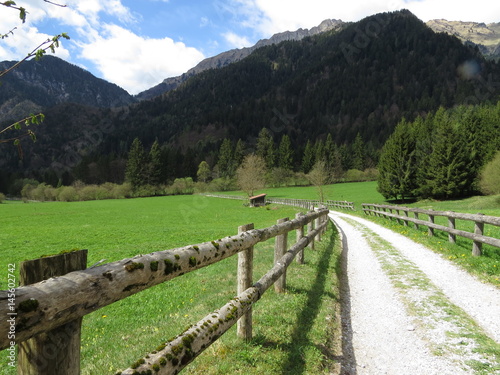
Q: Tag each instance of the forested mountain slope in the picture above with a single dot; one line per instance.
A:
(362, 79)
(36, 85)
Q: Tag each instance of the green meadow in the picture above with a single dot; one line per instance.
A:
(294, 333)
(117, 335)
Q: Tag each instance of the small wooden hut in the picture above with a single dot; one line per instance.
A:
(258, 200)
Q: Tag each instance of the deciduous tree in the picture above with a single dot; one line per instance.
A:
(251, 174)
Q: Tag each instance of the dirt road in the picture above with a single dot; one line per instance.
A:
(407, 310)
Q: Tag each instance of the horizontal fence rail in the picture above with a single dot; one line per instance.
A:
(302, 203)
(174, 355)
(479, 220)
(45, 306)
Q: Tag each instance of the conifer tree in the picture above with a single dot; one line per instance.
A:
(265, 148)
(225, 163)
(397, 164)
(447, 175)
(155, 164)
(359, 153)
(239, 153)
(285, 154)
(137, 165)
(309, 158)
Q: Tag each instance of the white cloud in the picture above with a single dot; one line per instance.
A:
(268, 17)
(236, 41)
(137, 63)
(25, 40)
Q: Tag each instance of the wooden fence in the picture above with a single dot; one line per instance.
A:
(479, 220)
(45, 307)
(302, 203)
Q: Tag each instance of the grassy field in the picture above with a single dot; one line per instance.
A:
(293, 331)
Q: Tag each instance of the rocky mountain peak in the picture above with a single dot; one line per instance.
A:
(485, 36)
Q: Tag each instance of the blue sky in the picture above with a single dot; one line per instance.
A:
(136, 44)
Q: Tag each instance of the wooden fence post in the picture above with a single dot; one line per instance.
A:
(245, 280)
(280, 247)
(430, 231)
(299, 235)
(317, 223)
(416, 217)
(477, 247)
(56, 352)
(310, 228)
(451, 224)
(405, 212)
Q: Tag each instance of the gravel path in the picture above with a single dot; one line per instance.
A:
(406, 310)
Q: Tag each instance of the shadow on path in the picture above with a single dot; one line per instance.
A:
(295, 363)
(348, 358)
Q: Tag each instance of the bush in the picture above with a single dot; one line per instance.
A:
(2, 197)
(121, 191)
(102, 192)
(489, 182)
(223, 184)
(40, 193)
(27, 190)
(182, 186)
(88, 193)
(67, 194)
(50, 193)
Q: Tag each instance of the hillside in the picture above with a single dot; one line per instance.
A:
(362, 79)
(323, 84)
(486, 37)
(225, 58)
(36, 85)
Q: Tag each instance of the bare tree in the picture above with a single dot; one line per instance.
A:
(251, 174)
(318, 177)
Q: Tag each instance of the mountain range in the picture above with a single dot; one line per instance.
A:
(342, 79)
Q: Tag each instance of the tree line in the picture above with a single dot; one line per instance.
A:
(441, 156)
(282, 164)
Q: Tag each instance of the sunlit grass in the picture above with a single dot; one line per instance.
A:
(117, 335)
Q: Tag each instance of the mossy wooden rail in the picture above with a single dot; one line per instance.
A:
(60, 300)
(479, 220)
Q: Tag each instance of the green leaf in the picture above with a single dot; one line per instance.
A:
(22, 14)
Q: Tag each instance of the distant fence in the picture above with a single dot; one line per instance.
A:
(303, 203)
(50, 311)
(479, 220)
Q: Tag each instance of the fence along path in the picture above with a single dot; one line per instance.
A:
(47, 305)
(303, 203)
(479, 220)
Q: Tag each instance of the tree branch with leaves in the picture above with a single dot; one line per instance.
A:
(48, 45)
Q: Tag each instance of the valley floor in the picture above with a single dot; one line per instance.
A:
(407, 310)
